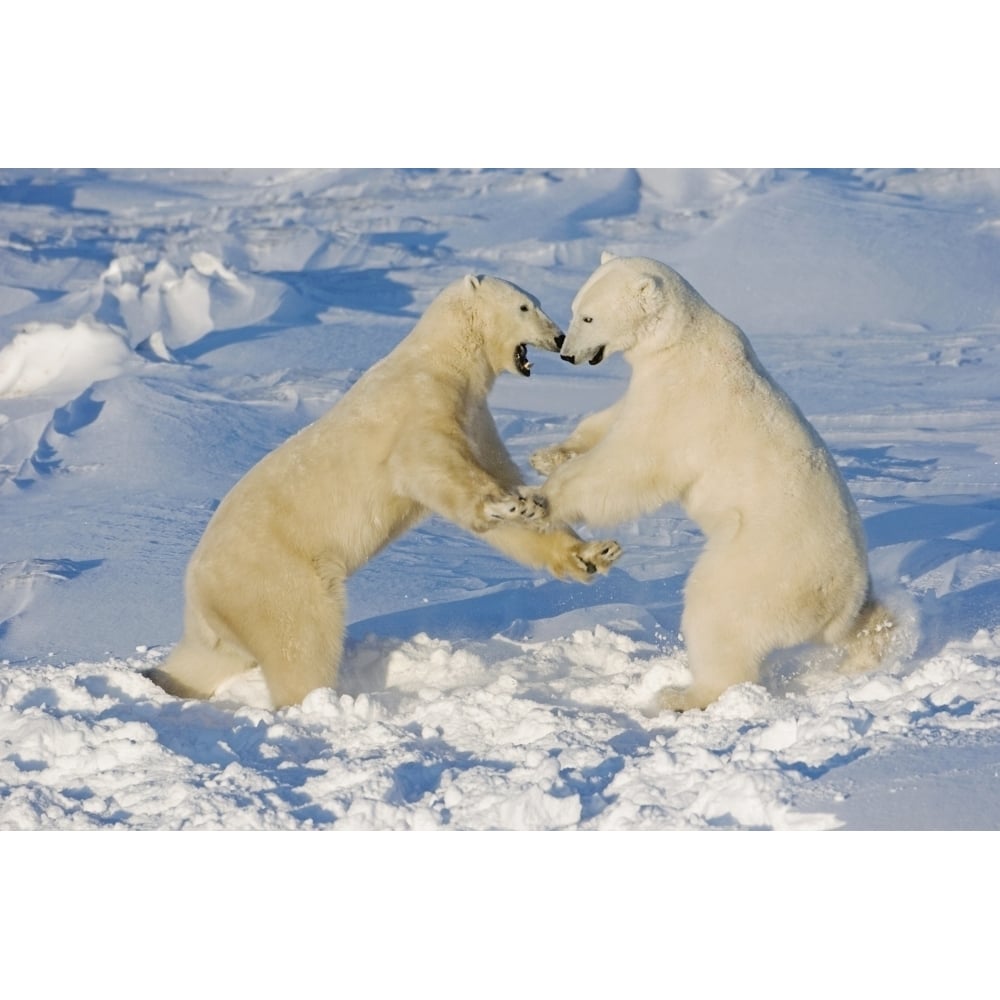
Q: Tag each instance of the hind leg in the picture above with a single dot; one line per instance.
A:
(720, 654)
(195, 669)
(870, 640)
(726, 628)
(297, 637)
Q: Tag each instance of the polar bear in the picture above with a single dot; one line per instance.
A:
(703, 424)
(266, 583)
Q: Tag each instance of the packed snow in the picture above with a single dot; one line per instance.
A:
(162, 330)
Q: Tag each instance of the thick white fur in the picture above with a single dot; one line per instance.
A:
(266, 583)
(703, 424)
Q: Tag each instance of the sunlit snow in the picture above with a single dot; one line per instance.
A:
(160, 331)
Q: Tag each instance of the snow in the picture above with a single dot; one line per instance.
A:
(160, 330)
(150, 353)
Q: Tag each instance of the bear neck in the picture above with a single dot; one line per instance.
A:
(480, 357)
(462, 361)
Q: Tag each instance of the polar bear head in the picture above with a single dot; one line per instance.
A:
(504, 321)
(628, 303)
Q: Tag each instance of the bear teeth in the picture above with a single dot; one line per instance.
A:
(521, 362)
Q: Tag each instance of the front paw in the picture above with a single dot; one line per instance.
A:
(546, 460)
(531, 507)
(597, 557)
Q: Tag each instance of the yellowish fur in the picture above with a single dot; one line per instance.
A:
(704, 425)
(266, 583)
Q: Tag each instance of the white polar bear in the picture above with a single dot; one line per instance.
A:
(266, 583)
(703, 424)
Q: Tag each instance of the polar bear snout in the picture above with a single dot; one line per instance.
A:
(595, 358)
(521, 363)
(551, 339)
(582, 344)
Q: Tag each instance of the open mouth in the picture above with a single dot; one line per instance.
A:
(521, 362)
(595, 360)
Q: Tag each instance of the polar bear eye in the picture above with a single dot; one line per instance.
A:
(588, 319)
(524, 309)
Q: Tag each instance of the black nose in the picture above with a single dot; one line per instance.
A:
(560, 337)
(571, 358)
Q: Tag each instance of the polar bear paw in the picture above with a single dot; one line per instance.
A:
(684, 700)
(531, 507)
(546, 460)
(597, 557)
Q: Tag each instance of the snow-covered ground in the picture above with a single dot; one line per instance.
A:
(161, 330)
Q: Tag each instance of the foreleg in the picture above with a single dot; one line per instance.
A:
(560, 551)
(589, 432)
(610, 484)
(443, 475)
(491, 451)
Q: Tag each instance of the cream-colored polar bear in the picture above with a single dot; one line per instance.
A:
(266, 583)
(703, 424)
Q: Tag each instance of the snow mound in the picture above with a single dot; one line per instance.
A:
(175, 309)
(62, 359)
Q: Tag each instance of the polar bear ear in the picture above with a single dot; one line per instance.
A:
(648, 290)
(472, 282)
(608, 255)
